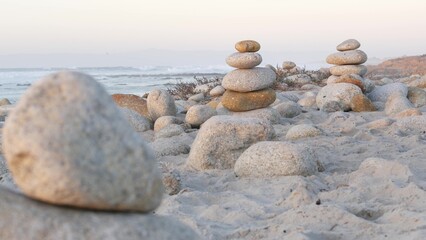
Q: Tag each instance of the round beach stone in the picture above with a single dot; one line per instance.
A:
(165, 121)
(247, 46)
(351, 57)
(132, 102)
(352, 79)
(240, 102)
(381, 93)
(67, 143)
(198, 114)
(348, 69)
(302, 131)
(217, 91)
(247, 80)
(222, 139)
(288, 65)
(396, 103)
(138, 122)
(288, 109)
(350, 44)
(245, 60)
(417, 96)
(160, 103)
(271, 159)
(4, 102)
(361, 103)
(341, 93)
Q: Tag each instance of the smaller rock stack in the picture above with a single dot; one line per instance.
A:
(248, 87)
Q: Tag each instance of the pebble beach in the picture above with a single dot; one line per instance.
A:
(264, 153)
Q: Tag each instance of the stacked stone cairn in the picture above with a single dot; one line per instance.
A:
(248, 87)
(340, 94)
(67, 144)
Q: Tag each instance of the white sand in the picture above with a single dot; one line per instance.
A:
(372, 186)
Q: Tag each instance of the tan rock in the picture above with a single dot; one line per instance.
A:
(132, 102)
(350, 44)
(352, 79)
(341, 93)
(351, 57)
(239, 102)
(408, 113)
(361, 103)
(247, 46)
(245, 60)
(417, 96)
(213, 103)
(288, 65)
(348, 69)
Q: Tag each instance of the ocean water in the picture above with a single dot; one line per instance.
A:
(14, 81)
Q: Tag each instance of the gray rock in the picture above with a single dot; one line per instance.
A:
(351, 57)
(197, 97)
(183, 106)
(332, 106)
(271, 67)
(165, 121)
(289, 95)
(67, 143)
(270, 159)
(244, 60)
(307, 102)
(348, 69)
(417, 96)
(169, 131)
(381, 93)
(288, 109)
(137, 121)
(350, 44)
(48, 222)
(302, 131)
(396, 103)
(222, 139)
(268, 114)
(160, 103)
(198, 114)
(172, 146)
(217, 91)
(248, 80)
(299, 79)
(341, 93)
(288, 65)
(4, 101)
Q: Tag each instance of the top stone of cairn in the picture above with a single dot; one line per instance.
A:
(247, 46)
(350, 44)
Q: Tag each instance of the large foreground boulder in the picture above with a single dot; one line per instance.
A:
(222, 139)
(46, 222)
(67, 143)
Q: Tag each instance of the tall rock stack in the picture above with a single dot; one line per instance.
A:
(248, 87)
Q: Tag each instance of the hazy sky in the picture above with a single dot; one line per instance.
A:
(285, 29)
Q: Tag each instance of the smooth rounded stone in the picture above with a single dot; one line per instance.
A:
(172, 146)
(351, 57)
(298, 79)
(240, 102)
(160, 103)
(417, 96)
(222, 139)
(348, 69)
(307, 102)
(169, 131)
(132, 102)
(368, 85)
(408, 113)
(288, 109)
(164, 121)
(247, 46)
(217, 91)
(48, 222)
(271, 159)
(332, 106)
(198, 114)
(137, 121)
(310, 94)
(4, 101)
(288, 65)
(248, 80)
(292, 96)
(350, 44)
(361, 103)
(302, 131)
(341, 93)
(380, 106)
(352, 79)
(268, 114)
(397, 103)
(183, 106)
(271, 67)
(244, 60)
(81, 151)
(332, 79)
(381, 93)
(197, 97)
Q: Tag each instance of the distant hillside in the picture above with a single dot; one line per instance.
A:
(398, 67)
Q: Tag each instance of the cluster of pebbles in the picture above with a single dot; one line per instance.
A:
(248, 87)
